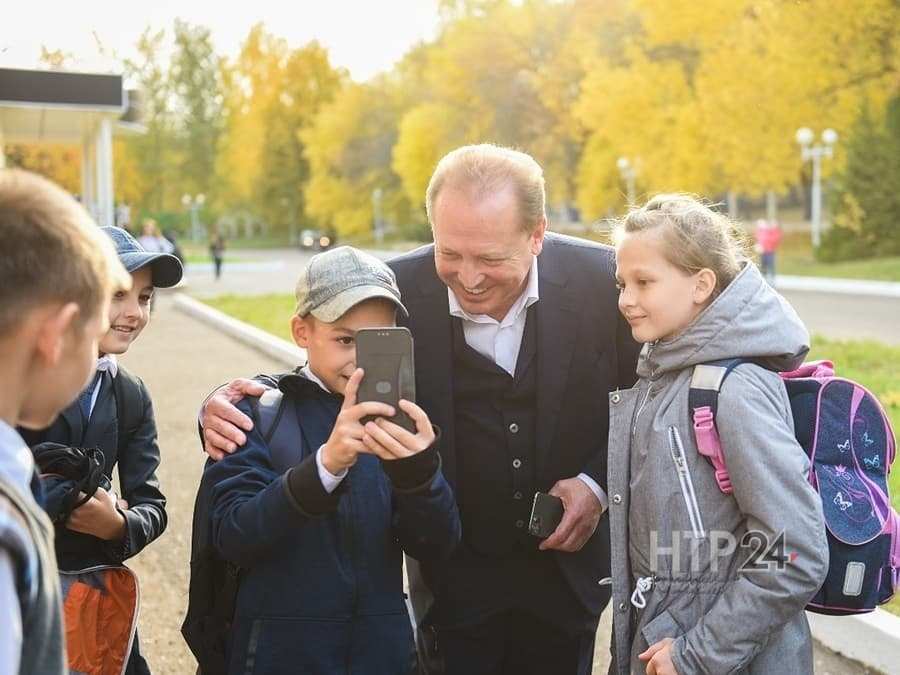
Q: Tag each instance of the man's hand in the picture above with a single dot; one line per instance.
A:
(580, 518)
(391, 441)
(346, 440)
(98, 516)
(222, 422)
(659, 658)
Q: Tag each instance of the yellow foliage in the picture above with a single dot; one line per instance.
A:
(427, 133)
(349, 152)
(60, 163)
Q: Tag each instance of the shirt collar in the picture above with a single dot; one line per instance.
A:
(529, 296)
(307, 372)
(16, 460)
(108, 363)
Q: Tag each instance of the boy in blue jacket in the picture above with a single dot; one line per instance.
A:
(319, 531)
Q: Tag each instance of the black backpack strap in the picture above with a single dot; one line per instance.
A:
(703, 404)
(266, 412)
(129, 405)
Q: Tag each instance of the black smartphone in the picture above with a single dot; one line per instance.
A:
(546, 514)
(386, 356)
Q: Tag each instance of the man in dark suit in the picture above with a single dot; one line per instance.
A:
(518, 339)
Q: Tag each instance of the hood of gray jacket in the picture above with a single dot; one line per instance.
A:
(749, 320)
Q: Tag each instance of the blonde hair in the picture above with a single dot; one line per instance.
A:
(695, 237)
(52, 251)
(486, 169)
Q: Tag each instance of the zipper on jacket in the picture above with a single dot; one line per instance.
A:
(687, 485)
(640, 408)
(643, 402)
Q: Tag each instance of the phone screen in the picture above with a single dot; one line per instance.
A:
(386, 356)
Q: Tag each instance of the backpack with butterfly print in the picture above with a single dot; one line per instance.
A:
(848, 438)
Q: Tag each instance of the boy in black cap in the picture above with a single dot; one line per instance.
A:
(115, 414)
(318, 509)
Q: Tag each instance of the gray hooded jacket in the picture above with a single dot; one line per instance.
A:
(679, 545)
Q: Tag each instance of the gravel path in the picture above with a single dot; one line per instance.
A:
(181, 360)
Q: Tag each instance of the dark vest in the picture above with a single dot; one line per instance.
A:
(495, 423)
(43, 649)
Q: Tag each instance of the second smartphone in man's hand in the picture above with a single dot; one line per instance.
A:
(386, 356)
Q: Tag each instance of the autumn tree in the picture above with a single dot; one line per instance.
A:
(196, 84)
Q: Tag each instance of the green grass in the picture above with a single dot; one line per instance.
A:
(795, 257)
(272, 313)
(872, 364)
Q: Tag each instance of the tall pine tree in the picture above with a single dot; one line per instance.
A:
(867, 199)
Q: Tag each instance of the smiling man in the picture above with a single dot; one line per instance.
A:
(517, 342)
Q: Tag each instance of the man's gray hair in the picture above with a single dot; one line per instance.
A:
(486, 169)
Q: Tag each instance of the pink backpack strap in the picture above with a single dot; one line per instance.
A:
(703, 401)
(814, 369)
(710, 446)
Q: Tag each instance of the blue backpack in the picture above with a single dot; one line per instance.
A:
(850, 444)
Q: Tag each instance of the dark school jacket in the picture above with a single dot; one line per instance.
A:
(322, 587)
(137, 457)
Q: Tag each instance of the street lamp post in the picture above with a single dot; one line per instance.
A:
(194, 203)
(814, 153)
(376, 212)
(628, 173)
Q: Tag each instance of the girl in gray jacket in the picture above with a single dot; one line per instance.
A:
(707, 582)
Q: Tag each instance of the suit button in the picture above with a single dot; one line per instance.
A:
(617, 499)
(517, 495)
(513, 428)
(517, 463)
(622, 607)
(615, 398)
(520, 524)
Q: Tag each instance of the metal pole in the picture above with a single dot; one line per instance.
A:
(816, 198)
(376, 206)
(195, 230)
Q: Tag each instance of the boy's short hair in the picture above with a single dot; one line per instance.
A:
(52, 251)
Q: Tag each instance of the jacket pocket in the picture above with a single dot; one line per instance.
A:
(662, 626)
(284, 646)
(676, 449)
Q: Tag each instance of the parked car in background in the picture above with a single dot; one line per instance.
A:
(316, 240)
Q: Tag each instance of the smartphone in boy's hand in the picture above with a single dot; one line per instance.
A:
(386, 356)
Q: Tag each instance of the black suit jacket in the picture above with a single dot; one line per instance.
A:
(137, 457)
(585, 350)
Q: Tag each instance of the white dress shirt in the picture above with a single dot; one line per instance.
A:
(108, 363)
(16, 468)
(500, 341)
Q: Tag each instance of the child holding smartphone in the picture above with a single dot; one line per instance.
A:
(319, 532)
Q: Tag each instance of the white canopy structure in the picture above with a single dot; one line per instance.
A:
(64, 107)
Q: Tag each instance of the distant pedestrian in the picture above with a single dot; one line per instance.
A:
(217, 250)
(151, 240)
(768, 238)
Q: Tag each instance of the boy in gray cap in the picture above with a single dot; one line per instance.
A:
(317, 509)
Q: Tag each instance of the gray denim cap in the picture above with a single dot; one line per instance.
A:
(337, 280)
